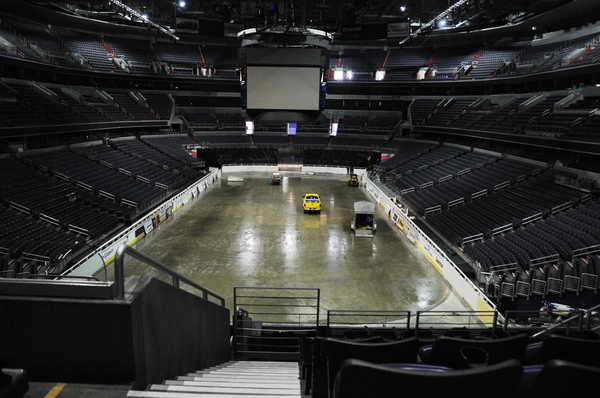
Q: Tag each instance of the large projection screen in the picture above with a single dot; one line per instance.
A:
(283, 88)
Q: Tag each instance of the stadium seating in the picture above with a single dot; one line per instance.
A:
(107, 180)
(103, 54)
(331, 353)
(132, 165)
(172, 146)
(561, 235)
(43, 246)
(448, 362)
(509, 207)
(573, 349)
(460, 353)
(359, 379)
(55, 202)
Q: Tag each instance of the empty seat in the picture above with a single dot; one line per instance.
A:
(337, 351)
(459, 353)
(582, 351)
(562, 378)
(359, 379)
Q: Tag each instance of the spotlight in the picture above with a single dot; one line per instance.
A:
(145, 17)
(379, 75)
(442, 23)
(402, 8)
(182, 4)
(349, 75)
(338, 74)
(333, 128)
(249, 127)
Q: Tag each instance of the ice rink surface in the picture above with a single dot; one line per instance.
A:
(256, 234)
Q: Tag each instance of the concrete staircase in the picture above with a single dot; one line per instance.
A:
(243, 379)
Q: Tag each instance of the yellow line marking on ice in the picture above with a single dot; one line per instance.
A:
(57, 389)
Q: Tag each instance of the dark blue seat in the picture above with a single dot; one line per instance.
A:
(459, 353)
(359, 379)
(334, 352)
(582, 351)
(560, 379)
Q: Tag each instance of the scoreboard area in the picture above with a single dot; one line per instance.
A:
(283, 79)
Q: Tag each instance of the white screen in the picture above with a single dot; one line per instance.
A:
(283, 87)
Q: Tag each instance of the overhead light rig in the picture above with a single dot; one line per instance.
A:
(434, 21)
(143, 17)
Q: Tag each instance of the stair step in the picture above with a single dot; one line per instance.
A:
(249, 371)
(177, 394)
(265, 362)
(247, 374)
(194, 383)
(195, 377)
(241, 382)
(224, 390)
(244, 369)
(256, 368)
(283, 365)
(252, 364)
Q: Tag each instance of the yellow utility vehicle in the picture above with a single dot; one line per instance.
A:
(311, 203)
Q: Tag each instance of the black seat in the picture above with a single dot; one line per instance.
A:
(582, 351)
(335, 352)
(460, 353)
(562, 378)
(359, 379)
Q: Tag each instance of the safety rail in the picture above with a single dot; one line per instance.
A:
(374, 318)
(29, 275)
(586, 251)
(263, 320)
(582, 318)
(538, 262)
(253, 304)
(176, 278)
(457, 319)
(472, 239)
(545, 321)
(532, 218)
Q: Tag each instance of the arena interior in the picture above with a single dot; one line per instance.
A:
(299, 198)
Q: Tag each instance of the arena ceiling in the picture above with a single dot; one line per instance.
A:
(342, 17)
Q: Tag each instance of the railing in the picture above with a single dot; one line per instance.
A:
(456, 319)
(279, 309)
(264, 320)
(29, 275)
(581, 318)
(382, 319)
(125, 250)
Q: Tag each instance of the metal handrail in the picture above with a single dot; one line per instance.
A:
(125, 250)
(580, 315)
(404, 316)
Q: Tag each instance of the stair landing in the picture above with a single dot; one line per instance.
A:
(235, 379)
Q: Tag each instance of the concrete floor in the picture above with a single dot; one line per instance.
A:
(256, 234)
